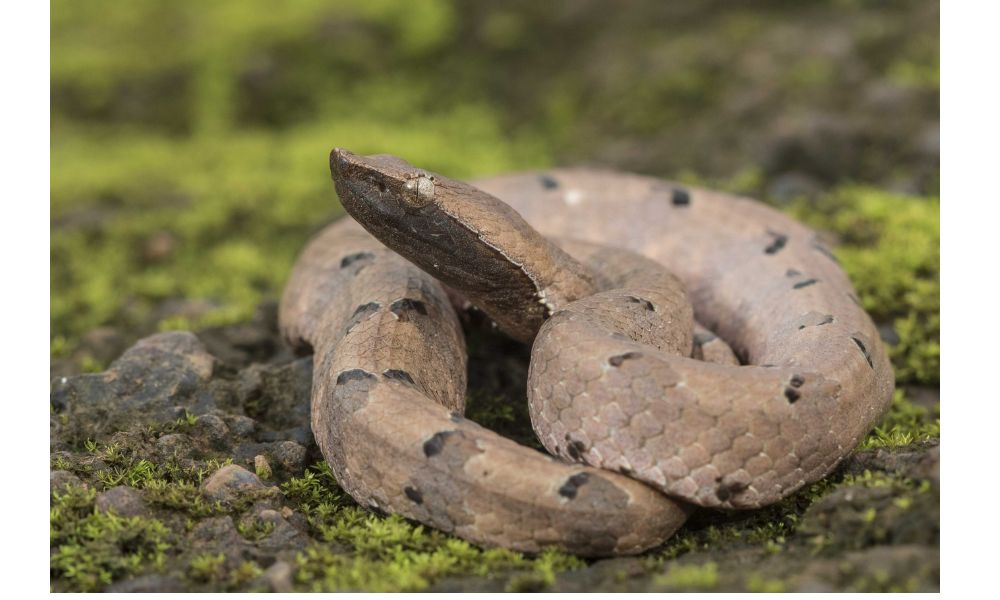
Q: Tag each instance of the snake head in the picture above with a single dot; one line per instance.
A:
(381, 183)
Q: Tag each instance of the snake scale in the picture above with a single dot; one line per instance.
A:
(627, 286)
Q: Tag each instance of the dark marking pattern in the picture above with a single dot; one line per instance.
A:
(455, 417)
(353, 258)
(792, 273)
(806, 283)
(779, 242)
(725, 491)
(353, 375)
(796, 381)
(864, 350)
(680, 197)
(398, 375)
(414, 495)
(548, 182)
(646, 303)
(370, 307)
(792, 394)
(573, 484)
(401, 307)
(575, 448)
(826, 321)
(617, 360)
(436, 443)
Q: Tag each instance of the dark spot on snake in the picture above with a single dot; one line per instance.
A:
(646, 303)
(353, 258)
(769, 366)
(826, 321)
(370, 307)
(575, 448)
(825, 251)
(414, 495)
(797, 381)
(626, 471)
(864, 350)
(725, 491)
(792, 394)
(398, 375)
(779, 242)
(680, 197)
(617, 360)
(806, 283)
(353, 375)
(404, 305)
(455, 417)
(548, 182)
(436, 443)
(792, 273)
(573, 484)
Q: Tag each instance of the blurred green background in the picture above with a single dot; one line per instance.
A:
(190, 139)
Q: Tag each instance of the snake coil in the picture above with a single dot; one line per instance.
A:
(689, 348)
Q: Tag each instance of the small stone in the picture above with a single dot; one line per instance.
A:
(123, 501)
(240, 425)
(178, 445)
(290, 455)
(262, 467)
(212, 428)
(229, 482)
(58, 480)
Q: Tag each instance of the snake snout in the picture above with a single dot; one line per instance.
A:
(340, 159)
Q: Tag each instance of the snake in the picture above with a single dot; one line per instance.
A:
(690, 348)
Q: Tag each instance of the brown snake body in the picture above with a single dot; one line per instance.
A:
(612, 380)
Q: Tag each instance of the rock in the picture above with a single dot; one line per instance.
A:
(217, 534)
(58, 480)
(213, 429)
(230, 483)
(151, 384)
(178, 445)
(917, 461)
(283, 536)
(123, 501)
(262, 467)
(291, 456)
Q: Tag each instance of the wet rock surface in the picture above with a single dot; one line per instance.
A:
(174, 435)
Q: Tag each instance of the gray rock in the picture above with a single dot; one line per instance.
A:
(230, 483)
(58, 480)
(179, 445)
(151, 384)
(291, 456)
(123, 501)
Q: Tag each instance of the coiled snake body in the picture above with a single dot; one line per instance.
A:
(628, 375)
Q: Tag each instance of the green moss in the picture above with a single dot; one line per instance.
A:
(905, 424)
(91, 549)
(759, 584)
(702, 577)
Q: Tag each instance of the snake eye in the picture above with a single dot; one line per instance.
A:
(419, 191)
